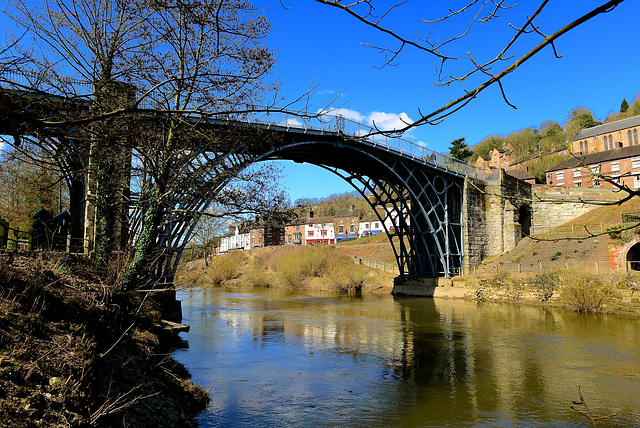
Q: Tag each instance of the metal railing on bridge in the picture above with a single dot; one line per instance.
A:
(320, 123)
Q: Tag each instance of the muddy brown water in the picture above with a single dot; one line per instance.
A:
(282, 358)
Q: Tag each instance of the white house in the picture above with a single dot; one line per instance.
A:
(234, 240)
(319, 230)
(370, 225)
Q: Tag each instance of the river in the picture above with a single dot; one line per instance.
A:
(272, 357)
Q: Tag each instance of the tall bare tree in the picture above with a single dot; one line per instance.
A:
(184, 65)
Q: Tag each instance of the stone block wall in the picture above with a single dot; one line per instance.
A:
(495, 214)
(555, 205)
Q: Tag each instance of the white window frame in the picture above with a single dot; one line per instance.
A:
(560, 175)
(615, 166)
(577, 172)
(635, 163)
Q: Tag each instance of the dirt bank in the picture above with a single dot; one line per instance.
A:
(72, 354)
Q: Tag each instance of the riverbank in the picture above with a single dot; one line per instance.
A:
(329, 269)
(320, 268)
(73, 354)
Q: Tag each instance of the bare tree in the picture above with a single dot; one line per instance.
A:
(161, 74)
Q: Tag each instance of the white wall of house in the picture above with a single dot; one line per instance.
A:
(370, 227)
(319, 232)
(236, 241)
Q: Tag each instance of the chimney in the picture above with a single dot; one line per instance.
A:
(310, 213)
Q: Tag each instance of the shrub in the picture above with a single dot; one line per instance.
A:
(555, 256)
(584, 293)
(347, 278)
(226, 267)
(259, 278)
(544, 285)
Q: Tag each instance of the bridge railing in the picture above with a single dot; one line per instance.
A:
(45, 82)
(323, 123)
(337, 124)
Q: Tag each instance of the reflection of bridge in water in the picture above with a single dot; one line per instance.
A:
(441, 220)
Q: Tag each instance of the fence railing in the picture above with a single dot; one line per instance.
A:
(387, 267)
(568, 231)
(554, 266)
(22, 240)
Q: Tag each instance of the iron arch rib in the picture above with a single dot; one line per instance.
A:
(424, 201)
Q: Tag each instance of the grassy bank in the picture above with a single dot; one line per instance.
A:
(576, 291)
(318, 268)
(73, 354)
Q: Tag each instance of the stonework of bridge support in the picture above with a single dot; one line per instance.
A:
(496, 215)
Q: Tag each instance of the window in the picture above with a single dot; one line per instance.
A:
(615, 166)
(629, 138)
(606, 145)
(581, 147)
(635, 137)
(341, 229)
(616, 179)
(610, 142)
(324, 233)
(586, 147)
(353, 228)
(560, 175)
(377, 225)
(635, 163)
(636, 181)
(310, 234)
(577, 183)
(577, 172)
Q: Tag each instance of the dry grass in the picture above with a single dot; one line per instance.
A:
(70, 350)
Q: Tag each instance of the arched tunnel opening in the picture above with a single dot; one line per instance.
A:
(633, 257)
(524, 218)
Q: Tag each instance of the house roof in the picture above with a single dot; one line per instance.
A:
(598, 157)
(345, 213)
(319, 220)
(520, 173)
(607, 127)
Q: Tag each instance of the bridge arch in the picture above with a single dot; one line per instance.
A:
(632, 256)
(424, 202)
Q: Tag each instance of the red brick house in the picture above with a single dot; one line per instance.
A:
(498, 158)
(609, 136)
(610, 149)
(622, 165)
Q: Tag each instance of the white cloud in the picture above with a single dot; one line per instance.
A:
(422, 144)
(327, 92)
(347, 113)
(294, 122)
(388, 121)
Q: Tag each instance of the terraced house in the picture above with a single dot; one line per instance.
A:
(610, 149)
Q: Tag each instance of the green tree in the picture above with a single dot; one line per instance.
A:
(624, 106)
(580, 118)
(484, 147)
(459, 149)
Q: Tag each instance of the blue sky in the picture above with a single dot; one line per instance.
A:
(322, 47)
